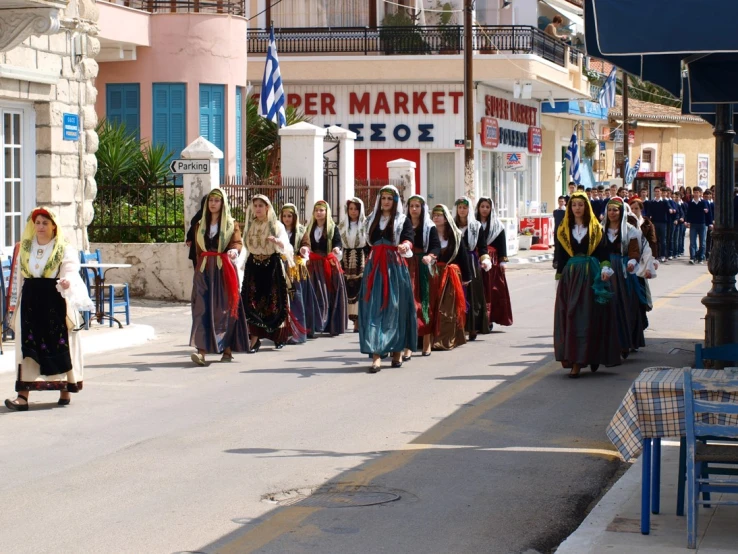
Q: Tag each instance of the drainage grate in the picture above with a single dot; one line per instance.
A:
(352, 497)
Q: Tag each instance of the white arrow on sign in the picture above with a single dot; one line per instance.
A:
(189, 167)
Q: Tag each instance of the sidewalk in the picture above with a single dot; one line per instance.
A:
(531, 256)
(103, 338)
(614, 525)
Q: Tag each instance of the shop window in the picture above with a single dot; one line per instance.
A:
(11, 169)
(122, 105)
(441, 178)
(320, 13)
(170, 116)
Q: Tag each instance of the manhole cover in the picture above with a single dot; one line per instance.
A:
(335, 497)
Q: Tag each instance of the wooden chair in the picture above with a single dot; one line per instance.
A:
(701, 452)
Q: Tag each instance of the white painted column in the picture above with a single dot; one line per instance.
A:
(302, 156)
(346, 174)
(404, 170)
(197, 186)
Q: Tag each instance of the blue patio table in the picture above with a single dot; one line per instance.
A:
(652, 409)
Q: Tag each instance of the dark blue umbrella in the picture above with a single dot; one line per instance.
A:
(655, 40)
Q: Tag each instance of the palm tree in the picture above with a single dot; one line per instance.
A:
(262, 141)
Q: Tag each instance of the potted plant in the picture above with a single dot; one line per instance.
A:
(590, 149)
(525, 239)
(450, 32)
(399, 35)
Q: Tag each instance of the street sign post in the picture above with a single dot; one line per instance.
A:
(190, 167)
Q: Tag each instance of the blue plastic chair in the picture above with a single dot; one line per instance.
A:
(701, 452)
(109, 299)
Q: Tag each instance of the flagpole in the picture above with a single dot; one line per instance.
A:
(626, 142)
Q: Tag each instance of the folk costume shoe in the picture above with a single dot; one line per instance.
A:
(15, 406)
(198, 358)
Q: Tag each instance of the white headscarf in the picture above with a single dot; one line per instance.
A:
(472, 225)
(494, 224)
(425, 219)
(357, 233)
(627, 231)
(399, 216)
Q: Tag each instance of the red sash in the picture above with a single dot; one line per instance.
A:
(230, 278)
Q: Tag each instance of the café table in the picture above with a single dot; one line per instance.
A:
(652, 409)
(101, 270)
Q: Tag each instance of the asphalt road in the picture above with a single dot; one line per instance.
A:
(488, 448)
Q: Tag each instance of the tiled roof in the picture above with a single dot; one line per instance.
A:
(647, 111)
(600, 66)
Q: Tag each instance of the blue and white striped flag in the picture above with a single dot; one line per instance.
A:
(631, 172)
(607, 94)
(572, 154)
(272, 92)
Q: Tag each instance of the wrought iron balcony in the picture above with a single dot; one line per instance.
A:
(414, 40)
(230, 7)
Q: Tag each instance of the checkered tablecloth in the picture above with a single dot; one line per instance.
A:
(654, 408)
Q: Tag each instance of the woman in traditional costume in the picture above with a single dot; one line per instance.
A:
(218, 320)
(265, 292)
(423, 275)
(476, 316)
(387, 322)
(648, 263)
(624, 248)
(47, 313)
(453, 274)
(493, 258)
(353, 237)
(582, 334)
(300, 287)
(321, 243)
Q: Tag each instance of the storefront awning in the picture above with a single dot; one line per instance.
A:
(567, 12)
(653, 124)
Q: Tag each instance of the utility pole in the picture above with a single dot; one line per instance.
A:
(469, 99)
(626, 131)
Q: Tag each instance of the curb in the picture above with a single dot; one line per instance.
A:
(531, 259)
(93, 342)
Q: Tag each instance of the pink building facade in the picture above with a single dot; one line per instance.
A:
(174, 76)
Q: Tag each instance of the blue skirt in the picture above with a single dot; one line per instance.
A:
(387, 321)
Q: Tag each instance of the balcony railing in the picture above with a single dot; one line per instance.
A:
(414, 40)
(231, 7)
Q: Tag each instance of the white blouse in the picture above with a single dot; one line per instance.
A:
(579, 232)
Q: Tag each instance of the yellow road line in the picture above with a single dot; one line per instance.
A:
(661, 302)
(287, 519)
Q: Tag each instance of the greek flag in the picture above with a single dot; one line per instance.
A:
(631, 172)
(572, 154)
(272, 92)
(607, 93)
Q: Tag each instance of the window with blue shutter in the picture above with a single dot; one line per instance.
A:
(239, 130)
(122, 104)
(212, 118)
(170, 116)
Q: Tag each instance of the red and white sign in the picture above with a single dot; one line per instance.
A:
(514, 161)
(490, 132)
(540, 226)
(535, 140)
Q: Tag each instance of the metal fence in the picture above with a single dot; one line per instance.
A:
(240, 191)
(368, 189)
(418, 40)
(231, 7)
(138, 212)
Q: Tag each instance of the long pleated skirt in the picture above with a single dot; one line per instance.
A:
(425, 293)
(583, 332)
(265, 297)
(299, 289)
(496, 293)
(214, 326)
(625, 306)
(353, 269)
(331, 304)
(451, 316)
(477, 321)
(387, 319)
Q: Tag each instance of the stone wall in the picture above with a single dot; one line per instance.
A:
(161, 271)
(65, 170)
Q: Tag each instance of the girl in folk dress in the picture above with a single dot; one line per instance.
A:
(387, 320)
(47, 313)
(423, 275)
(353, 237)
(322, 245)
(218, 319)
(265, 292)
(300, 287)
(453, 273)
(624, 248)
(581, 328)
(493, 258)
(476, 316)
(648, 263)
